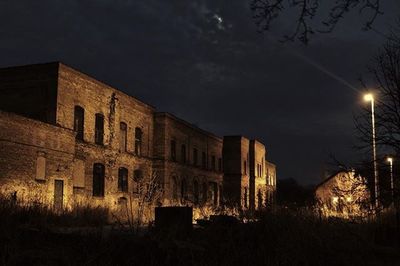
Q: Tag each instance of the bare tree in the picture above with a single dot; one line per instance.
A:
(385, 71)
(138, 207)
(266, 11)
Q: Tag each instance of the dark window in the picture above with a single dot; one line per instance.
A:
(183, 153)
(245, 167)
(259, 199)
(138, 177)
(196, 192)
(221, 196)
(99, 129)
(204, 192)
(262, 166)
(183, 189)
(203, 160)
(98, 180)
(79, 122)
(123, 179)
(213, 166)
(174, 188)
(220, 164)
(215, 186)
(138, 141)
(122, 136)
(173, 150)
(213, 192)
(195, 159)
(245, 197)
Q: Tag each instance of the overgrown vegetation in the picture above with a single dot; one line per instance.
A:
(40, 216)
(279, 237)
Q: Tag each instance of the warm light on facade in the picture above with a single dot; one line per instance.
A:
(389, 160)
(335, 200)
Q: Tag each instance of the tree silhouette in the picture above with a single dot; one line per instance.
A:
(266, 11)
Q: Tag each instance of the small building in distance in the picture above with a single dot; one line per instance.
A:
(344, 195)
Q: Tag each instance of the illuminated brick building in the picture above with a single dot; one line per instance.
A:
(66, 138)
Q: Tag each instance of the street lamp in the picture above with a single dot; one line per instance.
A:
(370, 98)
(390, 160)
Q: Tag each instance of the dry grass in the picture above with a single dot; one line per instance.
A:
(282, 237)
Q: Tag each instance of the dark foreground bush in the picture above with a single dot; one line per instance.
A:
(41, 216)
(279, 238)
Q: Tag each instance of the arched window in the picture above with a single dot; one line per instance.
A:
(79, 122)
(123, 179)
(138, 141)
(196, 192)
(98, 180)
(204, 192)
(122, 136)
(99, 129)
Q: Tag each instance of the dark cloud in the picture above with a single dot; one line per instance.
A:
(204, 61)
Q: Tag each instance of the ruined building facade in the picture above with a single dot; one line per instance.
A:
(66, 138)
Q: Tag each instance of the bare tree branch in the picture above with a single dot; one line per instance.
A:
(266, 11)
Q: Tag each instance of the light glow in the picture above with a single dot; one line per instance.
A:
(335, 200)
(368, 97)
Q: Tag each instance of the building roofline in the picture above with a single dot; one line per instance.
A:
(188, 124)
(330, 177)
(268, 162)
(104, 84)
(19, 117)
(59, 64)
(32, 65)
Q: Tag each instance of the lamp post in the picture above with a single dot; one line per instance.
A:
(390, 160)
(370, 98)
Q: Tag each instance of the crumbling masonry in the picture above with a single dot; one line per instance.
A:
(66, 138)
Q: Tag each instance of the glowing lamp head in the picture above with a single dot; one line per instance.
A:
(368, 97)
(389, 159)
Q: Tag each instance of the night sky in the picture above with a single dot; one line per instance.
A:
(204, 61)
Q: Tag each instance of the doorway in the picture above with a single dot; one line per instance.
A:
(58, 194)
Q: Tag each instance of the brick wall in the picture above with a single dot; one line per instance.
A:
(77, 89)
(181, 175)
(22, 141)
